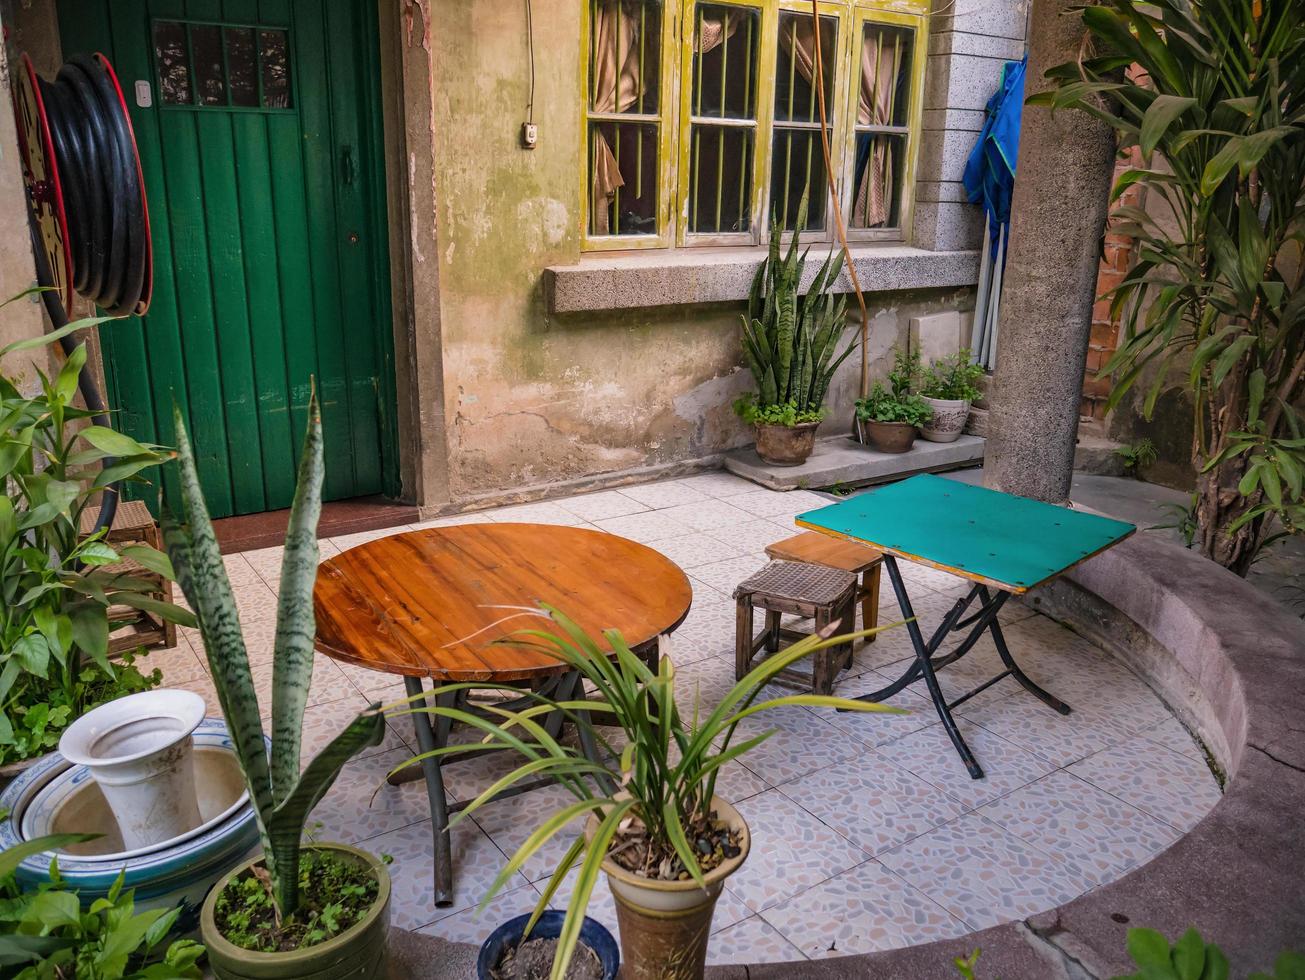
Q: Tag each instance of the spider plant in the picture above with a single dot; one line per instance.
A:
(282, 796)
(656, 780)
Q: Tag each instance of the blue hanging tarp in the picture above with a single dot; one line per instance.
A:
(989, 176)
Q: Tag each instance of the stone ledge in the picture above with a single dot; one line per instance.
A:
(840, 461)
(678, 277)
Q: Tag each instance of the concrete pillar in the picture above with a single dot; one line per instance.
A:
(1057, 218)
(968, 43)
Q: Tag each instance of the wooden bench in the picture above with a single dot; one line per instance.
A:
(815, 548)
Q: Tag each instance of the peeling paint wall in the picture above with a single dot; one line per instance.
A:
(532, 398)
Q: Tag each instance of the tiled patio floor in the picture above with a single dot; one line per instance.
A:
(867, 832)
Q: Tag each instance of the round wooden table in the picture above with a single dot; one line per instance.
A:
(431, 603)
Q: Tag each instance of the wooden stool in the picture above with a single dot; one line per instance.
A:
(134, 628)
(847, 556)
(799, 589)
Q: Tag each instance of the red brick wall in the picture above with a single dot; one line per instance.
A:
(1117, 252)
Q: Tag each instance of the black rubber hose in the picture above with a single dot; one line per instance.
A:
(106, 218)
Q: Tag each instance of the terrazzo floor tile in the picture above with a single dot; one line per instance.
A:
(708, 631)
(346, 541)
(709, 515)
(754, 940)
(1178, 789)
(718, 484)
(450, 520)
(328, 683)
(690, 550)
(178, 665)
(929, 754)
(601, 505)
(473, 925)
(476, 862)
(666, 494)
(1172, 735)
(509, 822)
(543, 512)
(323, 722)
(800, 743)
(753, 536)
(768, 503)
(601, 907)
(791, 852)
(648, 527)
(862, 910)
(872, 802)
(1032, 725)
(361, 804)
(983, 875)
(724, 576)
(878, 728)
(1062, 814)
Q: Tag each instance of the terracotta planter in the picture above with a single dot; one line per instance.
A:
(786, 445)
(949, 417)
(358, 953)
(885, 437)
(665, 925)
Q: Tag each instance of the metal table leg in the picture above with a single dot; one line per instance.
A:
(430, 738)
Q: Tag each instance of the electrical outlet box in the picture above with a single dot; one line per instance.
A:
(529, 135)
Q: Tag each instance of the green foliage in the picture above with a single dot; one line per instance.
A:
(1191, 958)
(336, 894)
(46, 933)
(1182, 520)
(749, 411)
(965, 964)
(952, 378)
(282, 796)
(57, 588)
(790, 341)
(1137, 456)
(656, 781)
(1214, 294)
(897, 402)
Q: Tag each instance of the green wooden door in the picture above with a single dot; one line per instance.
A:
(258, 123)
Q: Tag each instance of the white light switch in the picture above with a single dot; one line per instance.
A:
(144, 98)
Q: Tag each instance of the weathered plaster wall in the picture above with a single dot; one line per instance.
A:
(533, 398)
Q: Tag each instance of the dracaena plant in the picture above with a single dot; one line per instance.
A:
(282, 796)
(60, 586)
(790, 341)
(1216, 106)
(653, 783)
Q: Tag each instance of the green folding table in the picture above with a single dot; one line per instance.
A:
(1002, 543)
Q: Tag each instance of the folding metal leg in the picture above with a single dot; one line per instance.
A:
(1013, 668)
(430, 738)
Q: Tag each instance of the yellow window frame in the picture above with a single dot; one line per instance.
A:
(675, 121)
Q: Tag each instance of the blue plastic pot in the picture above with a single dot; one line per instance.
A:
(592, 934)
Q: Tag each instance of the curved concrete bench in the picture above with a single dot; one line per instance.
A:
(1231, 664)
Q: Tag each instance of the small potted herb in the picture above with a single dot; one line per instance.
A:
(790, 343)
(294, 911)
(949, 386)
(889, 417)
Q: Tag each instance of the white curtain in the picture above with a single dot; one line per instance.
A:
(880, 66)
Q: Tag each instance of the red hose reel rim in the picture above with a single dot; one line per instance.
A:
(147, 289)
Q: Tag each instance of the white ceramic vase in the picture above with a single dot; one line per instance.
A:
(139, 751)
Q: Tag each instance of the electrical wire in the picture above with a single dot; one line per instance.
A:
(530, 47)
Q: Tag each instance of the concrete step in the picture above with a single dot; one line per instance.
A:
(841, 461)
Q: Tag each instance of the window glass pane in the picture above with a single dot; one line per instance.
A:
(275, 52)
(206, 49)
(173, 62)
(724, 61)
(885, 93)
(797, 166)
(795, 92)
(242, 66)
(623, 178)
(877, 187)
(720, 189)
(625, 55)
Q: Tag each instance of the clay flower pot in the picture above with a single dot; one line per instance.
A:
(665, 925)
(786, 445)
(885, 437)
(357, 953)
(949, 417)
(139, 751)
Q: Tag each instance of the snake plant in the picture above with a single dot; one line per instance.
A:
(282, 796)
(790, 341)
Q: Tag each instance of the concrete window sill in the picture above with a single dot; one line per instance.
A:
(723, 275)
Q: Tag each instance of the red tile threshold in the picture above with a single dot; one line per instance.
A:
(252, 531)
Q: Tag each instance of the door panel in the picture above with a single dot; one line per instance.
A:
(271, 271)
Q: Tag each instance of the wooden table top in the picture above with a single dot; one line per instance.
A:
(421, 603)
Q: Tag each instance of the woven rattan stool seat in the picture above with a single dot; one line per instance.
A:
(798, 581)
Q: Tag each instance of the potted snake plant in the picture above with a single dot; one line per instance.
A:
(790, 343)
(645, 794)
(295, 910)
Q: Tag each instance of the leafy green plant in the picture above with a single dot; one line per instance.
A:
(58, 587)
(790, 341)
(650, 792)
(47, 934)
(1191, 958)
(747, 408)
(1214, 294)
(1182, 520)
(1137, 456)
(281, 795)
(952, 378)
(897, 402)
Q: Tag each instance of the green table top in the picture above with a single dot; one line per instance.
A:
(1011, 543)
